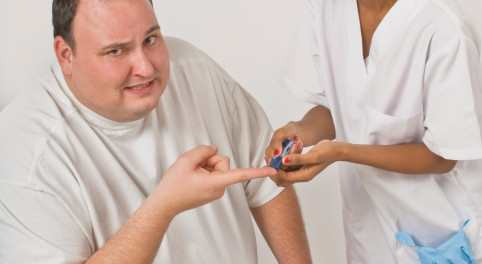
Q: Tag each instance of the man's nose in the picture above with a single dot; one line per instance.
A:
(141, 65)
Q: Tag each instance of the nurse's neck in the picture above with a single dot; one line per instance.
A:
(371, 13)
(377, 5)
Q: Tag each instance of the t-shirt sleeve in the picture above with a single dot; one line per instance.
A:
(302, 70)
(251, 135)
(33, 229)
(452, 101)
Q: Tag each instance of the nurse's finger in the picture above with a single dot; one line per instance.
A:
(297, 146)
(301, 159)
(280, 180)
(290, 168)
(224, 179)
(296, 149)
(267, 160)
(284, 179)
(304, 174)
(275, 147)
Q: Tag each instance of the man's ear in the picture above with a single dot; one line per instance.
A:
(64, 55)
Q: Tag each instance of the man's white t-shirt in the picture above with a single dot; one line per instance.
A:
(70, 178)
(420, 83)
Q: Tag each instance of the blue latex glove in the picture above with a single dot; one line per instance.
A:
(456, 250)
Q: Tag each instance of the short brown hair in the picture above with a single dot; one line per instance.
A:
(63, 12)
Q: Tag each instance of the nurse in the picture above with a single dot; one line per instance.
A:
(397, 89)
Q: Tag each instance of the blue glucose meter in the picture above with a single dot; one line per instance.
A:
(277, 161)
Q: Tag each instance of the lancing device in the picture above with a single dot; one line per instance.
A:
(277, 161)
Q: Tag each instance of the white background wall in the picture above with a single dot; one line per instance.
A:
(249, 38)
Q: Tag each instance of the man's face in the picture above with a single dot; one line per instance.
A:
(120, 65)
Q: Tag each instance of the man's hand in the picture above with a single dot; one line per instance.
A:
(199, 177)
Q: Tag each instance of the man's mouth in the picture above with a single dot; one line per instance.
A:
(138, 87)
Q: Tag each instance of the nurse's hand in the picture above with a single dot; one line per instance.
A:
(275, 145)
(198, 177)
(308, 165)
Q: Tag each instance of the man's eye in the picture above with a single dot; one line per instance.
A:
(150, 40)
(115, 52)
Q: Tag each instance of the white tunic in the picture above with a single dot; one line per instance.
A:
(70, 178)
(420, 83)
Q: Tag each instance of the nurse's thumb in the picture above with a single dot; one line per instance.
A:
(299, 159)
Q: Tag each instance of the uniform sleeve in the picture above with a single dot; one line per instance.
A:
(251, 135)
(452, 101)
(301, 73)
(34, 230)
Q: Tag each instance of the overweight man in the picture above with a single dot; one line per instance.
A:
(96, 166)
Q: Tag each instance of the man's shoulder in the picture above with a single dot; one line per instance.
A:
(189, 57)
(38, 107)
(194, 71)
(181, 50)
(26, 124)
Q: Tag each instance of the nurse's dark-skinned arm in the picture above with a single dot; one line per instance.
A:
(198, 177)
(405, 158)
(281, 224)
(316, 125)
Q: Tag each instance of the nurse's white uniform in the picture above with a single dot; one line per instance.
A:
(420, 83)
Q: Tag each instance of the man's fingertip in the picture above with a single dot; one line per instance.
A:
(273, 173)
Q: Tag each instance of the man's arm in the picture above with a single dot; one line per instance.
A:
(282, 226)
(196, 178)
